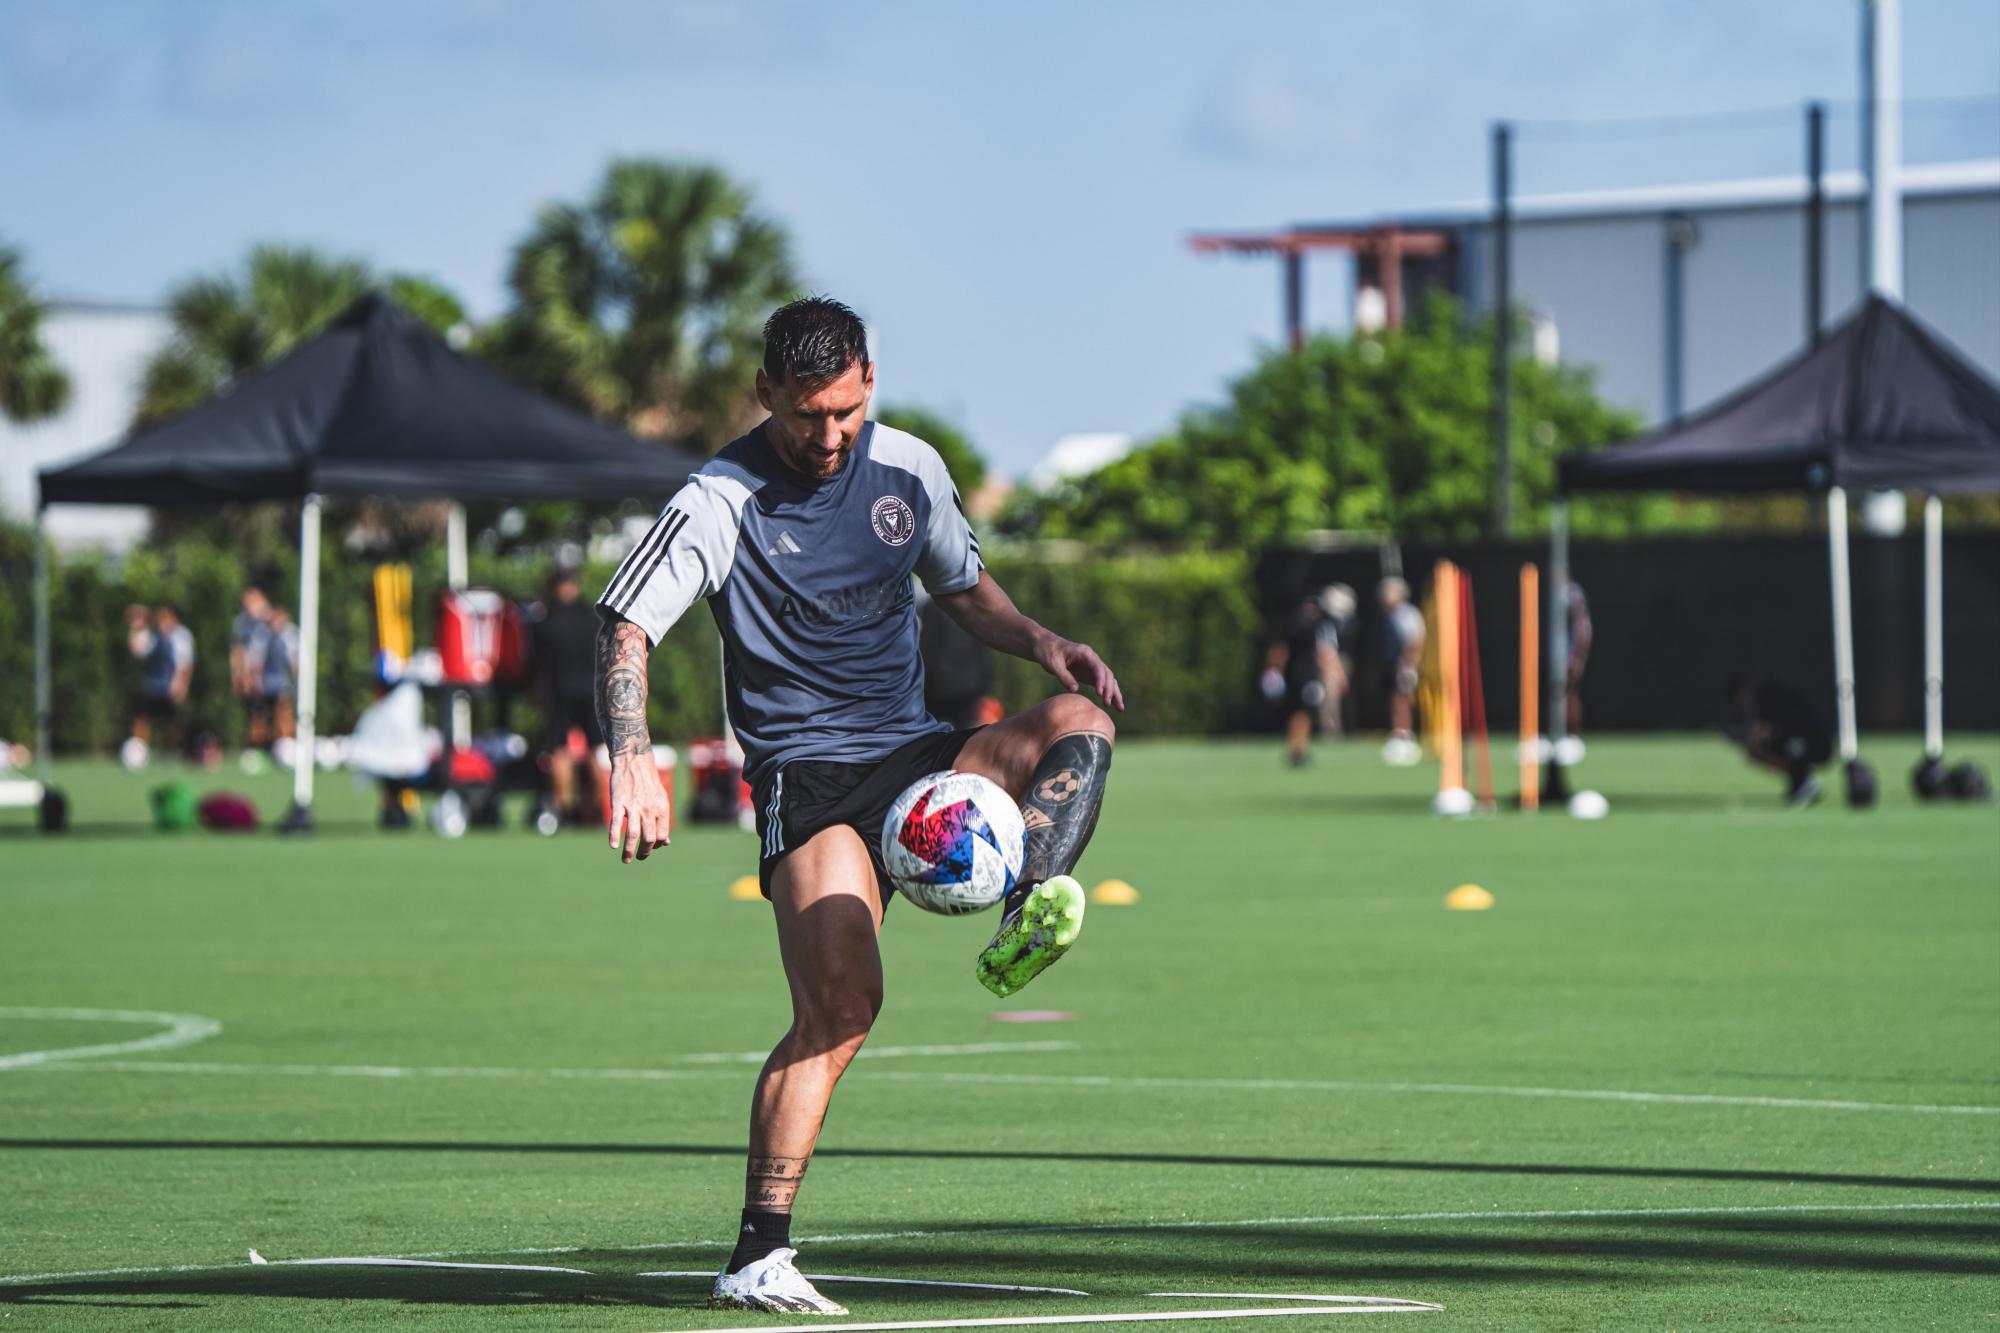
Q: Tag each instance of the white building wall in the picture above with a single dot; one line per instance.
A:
(104, 348)
(1601, 273)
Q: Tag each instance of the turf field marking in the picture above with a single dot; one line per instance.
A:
(1322, 1305)
(181, 1030)
(62, 1064)
(709, 1274)
(370, 1261)
(1448, 1089)
(1527, 1215)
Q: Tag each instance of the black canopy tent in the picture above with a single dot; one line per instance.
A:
(1879, 402)
(376, 405)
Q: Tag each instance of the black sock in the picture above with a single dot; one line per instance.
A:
(762, 1233)
(1063, 799)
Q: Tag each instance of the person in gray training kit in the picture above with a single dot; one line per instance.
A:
(803, 536)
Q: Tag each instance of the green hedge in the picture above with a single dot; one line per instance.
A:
(1178, 629)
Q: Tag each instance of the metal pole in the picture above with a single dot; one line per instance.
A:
(456, 576)
(1680, 239)
(300, 817)
(1295, 299)
(1933, 627)
(1503, 329)
(1882, 108)
(44, 679)
(1843, 622)
(1815, 220)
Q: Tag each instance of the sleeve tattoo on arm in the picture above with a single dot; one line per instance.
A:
(622, 650)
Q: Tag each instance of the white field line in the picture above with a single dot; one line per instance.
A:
(181, 1030)
(708, 1274)
(60, 1062)
(1446, 1089)
(1337, 1219)
(1328, 1305)
(1111, 1081)
(370, 1261)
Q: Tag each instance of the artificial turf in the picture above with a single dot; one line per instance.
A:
(1292, 1070)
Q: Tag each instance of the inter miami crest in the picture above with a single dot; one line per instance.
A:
(895, 523)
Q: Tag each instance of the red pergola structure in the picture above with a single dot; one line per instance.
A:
(1387, 245)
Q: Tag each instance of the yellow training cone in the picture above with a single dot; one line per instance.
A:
(745, 890)
(1468, 898)
(1115, 892)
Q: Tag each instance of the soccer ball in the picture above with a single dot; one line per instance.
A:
(953, 843)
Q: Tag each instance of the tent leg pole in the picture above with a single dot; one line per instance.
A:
(1860, 778)
(299, 818)
(1843, 621)
(456, 575)
(43, 680)
(1933, 627)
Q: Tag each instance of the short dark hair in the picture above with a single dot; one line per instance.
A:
(812, 341)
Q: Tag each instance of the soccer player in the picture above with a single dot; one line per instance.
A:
(803, 536)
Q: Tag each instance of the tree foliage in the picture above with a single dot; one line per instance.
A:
(227, 325)
(967, 468)
(32, 385)
(1387, 431)
(645, 303)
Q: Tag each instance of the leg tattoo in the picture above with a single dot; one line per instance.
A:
(771, 1183)
(1063, 800)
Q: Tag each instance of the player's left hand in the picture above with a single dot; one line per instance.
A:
(1072, 663)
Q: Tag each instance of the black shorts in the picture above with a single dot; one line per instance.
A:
(560, 715)
(807, 796)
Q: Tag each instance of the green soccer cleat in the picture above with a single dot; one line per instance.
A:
(1037, 931)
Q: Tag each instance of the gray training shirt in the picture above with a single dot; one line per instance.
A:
(809, 583)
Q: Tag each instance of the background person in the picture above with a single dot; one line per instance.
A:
(165, 650)
(564, 640)
(1337, 600)
(277, 675)
(1301, 660)
(1403, 649)
(1579, 655)
(1778, 727)
(246, 647)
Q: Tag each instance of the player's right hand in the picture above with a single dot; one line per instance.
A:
(640, 811)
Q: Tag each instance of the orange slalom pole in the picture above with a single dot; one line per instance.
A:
(1475, 689)
(1531, 694)
(1451, 774)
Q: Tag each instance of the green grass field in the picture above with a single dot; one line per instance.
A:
(1708, 1063)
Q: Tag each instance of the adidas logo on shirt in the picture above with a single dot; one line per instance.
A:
(786, 546)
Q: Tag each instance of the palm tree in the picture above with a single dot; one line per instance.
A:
(225, 326)
(645, 304)
(32, 385)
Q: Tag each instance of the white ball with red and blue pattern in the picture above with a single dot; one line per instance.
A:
(953, 842)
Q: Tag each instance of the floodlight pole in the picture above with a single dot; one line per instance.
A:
(44, 710)
(299, 818)
(1503, 329)
(1815, 220)
(1843, 622)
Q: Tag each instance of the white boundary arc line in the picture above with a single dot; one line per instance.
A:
(1492, 1215)
(1319, 1305)
(1111, 1081)
(709, 1274)
(182, 1030)
(368, 1261)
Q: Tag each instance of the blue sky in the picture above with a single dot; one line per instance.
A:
(1003, 189)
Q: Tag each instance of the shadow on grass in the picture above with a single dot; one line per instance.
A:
(1121, 1264)
(1971, 1184)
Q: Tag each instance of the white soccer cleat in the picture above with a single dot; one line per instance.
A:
(773, 1283)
